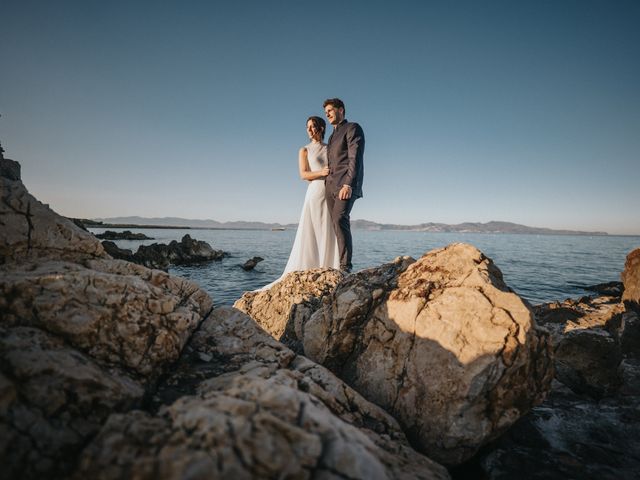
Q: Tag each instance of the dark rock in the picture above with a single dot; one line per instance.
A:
(629, 334)
(614, 289)
(160, 256)
(117, 252)
(251, 263)
(587, 361)
(126, 235)
(79, 223)
(570, 436)
(9, 169)
(589, 426)
(187, 251)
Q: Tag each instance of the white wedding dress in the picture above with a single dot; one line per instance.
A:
(315, 244)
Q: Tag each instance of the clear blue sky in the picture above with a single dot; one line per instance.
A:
(521, 111)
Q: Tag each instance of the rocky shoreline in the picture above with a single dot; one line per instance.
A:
(187, 251)
(425, 368)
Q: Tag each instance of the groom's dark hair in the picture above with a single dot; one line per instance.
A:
(335, 102)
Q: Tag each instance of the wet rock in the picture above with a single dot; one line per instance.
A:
(186, 252)
(589, 426)
(613, 289)
(442, 344)
(570, 436)
(116, 252)
(125, 235)
(251, 263)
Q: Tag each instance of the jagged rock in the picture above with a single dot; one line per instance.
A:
(444, 346)
(284, 308)
(251, 263)
(586, 336)
(569, 437)
(116, 252)
(588, 427)
(631, 279)
(587, 361)
(628, 333)
(613, 289)
(117, 312)
(9, 169)
(52, 399)
(562, 317)
(253, 410)
(31, 230)
(185, 252)
(81, 335)
(126, 235)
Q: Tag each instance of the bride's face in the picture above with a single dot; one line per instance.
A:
(312, 131)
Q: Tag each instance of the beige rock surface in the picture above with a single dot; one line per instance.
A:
(631, 279)
(444, 346)
(248, 407)
(52, 398)
(117, 312)
(282, 309)
(31, 230)
(81, 335)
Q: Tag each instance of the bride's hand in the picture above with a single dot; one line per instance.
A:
(324, 172)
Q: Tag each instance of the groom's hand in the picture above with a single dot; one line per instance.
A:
(345, 192)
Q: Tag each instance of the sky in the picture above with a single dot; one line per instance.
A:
(520, 111)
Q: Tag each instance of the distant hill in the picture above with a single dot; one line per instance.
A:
(466, 227)
(169, 222)
(469, 227)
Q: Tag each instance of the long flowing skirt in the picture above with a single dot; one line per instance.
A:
(315, 244)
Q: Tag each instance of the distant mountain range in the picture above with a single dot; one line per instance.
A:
(467, 227)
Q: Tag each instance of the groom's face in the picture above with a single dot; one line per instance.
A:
(334, 115)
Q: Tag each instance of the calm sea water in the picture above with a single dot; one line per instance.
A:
(541, 268)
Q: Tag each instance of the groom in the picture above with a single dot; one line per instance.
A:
(343, 185)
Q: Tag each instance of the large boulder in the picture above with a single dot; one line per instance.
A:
(443, 345)
(248, 407)
(285, 307)
(631, 279)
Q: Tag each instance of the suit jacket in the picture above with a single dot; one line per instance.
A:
(345, 154)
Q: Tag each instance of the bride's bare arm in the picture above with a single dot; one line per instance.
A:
(305, 170)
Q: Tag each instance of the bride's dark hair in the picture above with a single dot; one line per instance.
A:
(319, 125)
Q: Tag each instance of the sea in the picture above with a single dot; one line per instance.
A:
(540, 268)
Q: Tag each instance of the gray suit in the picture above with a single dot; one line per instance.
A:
(345, 153)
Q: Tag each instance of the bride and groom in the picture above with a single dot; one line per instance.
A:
(334, 171)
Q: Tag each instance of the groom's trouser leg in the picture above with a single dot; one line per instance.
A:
(340, 214)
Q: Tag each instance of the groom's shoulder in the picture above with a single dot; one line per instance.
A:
(354, 127)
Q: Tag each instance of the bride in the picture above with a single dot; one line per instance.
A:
(315, 244)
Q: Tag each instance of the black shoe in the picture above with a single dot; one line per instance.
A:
(345, 270)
